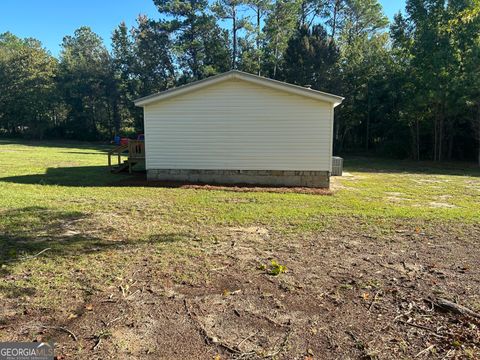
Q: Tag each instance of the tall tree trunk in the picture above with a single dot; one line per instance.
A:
(259, 57)
(450, 148)
(417, 137)
(440, 134)
(414, 131)
(334, 18)
(94, 119)
(116, 117)
(194, 52)
(234, 33)
(303, 14)
(276, 57)
(413, 142)
(478, 130)
(369, 105)
(435, 134)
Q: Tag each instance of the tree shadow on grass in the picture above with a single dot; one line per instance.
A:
(68, 144)
(26, 232)
(99, 176)
(170, 238)
(381, 165)
(82, 176)
(52, 235)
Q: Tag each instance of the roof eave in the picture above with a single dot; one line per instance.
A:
(282, 86)
(176, 91)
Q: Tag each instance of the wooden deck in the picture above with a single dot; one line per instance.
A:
(134, 150)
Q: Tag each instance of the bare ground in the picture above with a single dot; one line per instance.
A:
(350, 292)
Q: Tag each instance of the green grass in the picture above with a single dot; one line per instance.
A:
(61, 196)
(73, 178)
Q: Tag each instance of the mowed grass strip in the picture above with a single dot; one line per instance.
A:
(74, 177)
(61, 197)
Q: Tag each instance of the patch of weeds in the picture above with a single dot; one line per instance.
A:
(103, 334)
(370, 284)
(16, 290)
(469, 353)
(456, 344)
(274, 268)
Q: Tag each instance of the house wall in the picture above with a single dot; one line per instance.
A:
(236, 125)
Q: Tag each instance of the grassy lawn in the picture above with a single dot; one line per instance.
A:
(124, 253)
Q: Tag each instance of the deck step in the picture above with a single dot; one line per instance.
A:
(135, 150)
(120, 168)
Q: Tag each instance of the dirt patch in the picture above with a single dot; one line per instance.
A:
(339, 182)
(256, 231)
(347, 292)
(141, 181)
(396, 197)
(396, 194)
(435, 204)
(423, 181)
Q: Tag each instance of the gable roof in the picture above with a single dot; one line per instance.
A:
(240, 75)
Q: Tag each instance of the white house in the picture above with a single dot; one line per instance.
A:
(240, 128)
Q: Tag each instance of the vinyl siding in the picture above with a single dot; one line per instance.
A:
(235, 125)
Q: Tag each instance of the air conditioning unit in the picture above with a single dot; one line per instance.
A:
(337, 166)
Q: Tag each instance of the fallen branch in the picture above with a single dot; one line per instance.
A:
(208, 338)
(447, 305)
(219, 268)
(266, 318)
(28, 257)
(59, 328)
(247, 338)
(402, 315)
(360, 345)
(433, 332)
(358, 342)
(282, 346)
(238, 354)
(132, 295)
(428, 349)
(112, 321)
(373, 301)
(97, 344)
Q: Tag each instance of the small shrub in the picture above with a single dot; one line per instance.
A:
(273, 269)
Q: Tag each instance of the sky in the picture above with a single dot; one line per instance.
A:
(50, 20)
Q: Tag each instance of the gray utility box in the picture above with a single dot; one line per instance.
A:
(337, 166)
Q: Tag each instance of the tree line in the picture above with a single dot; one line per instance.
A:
(411, 87)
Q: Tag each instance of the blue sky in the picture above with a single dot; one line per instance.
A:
(50, 20)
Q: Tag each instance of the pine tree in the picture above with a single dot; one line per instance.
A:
(27, 86)
(200, 45)
(310, 58)
(154, 63)
(280, 26)
(232, 10)
(123, 82)
(261, 9)
(84, 72)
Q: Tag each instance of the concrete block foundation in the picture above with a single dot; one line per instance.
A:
(314, 179)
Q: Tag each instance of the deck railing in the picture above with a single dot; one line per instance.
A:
(135, 150)
(118, 151)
